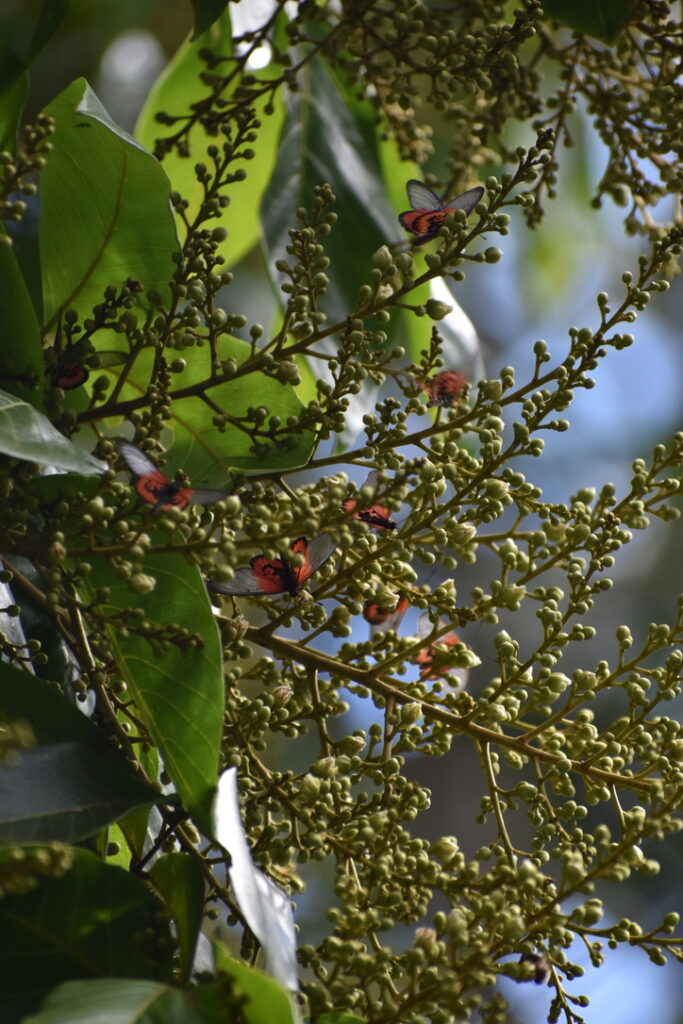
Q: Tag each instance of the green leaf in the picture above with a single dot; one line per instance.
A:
(330, 136)
(119, 1001)
(52, 14)
(178, 693)
(105, 212)
(26, 434)
(179, 881)
(602, 19)
(13, 90)
(206, 12)
(266, 1000)
(64, 792)
(175, 92)
(327, 139)
(126, 1001)
(19, 328)
(96, 920)
(207, 454)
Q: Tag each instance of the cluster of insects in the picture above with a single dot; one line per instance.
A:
(266, 576)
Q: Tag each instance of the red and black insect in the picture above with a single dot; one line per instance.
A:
(428, 212)
(434, 661)
(377, 516)
(69, 374)
(383, 619)
(445, 388)
(156, 489)
(266, 576)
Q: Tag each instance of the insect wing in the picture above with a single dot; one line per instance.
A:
(382, 619)
(249, 581)
(421, 197)
(137, 462)
(316, 552)
(205, 495)
(466, 200)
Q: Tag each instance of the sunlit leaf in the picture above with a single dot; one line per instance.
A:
(105, 211)
(175, 92)
(266, 1000)
(178, 694)
(26, 434)
(119, 1001)
(209, 455)
(266, 908)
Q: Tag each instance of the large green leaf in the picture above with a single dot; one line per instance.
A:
(205, 13)
(204, 452)
(52, 14)
(119, 1001)
(13, 89)
(266, 1000)
(19, 329)
(178, 693)
(105, 212)
(64, 792)
(179, 881)
(330, 137)
(26, 434)
(603, 19)
(175, 92)
(127, 1001)
(94, 921)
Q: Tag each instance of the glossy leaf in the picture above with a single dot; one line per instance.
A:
(329, 136)
(178, 694)
(119, 1001)
(206, 12)
(13, 90)
(26, 434)
(325, 140)
(64, 792)
(266, 908)
(95, 920)
(52, 14)
(176, 90)
(602, 19)
(105, 212)
(207, 454)
(19, 329)
(266, 1001)
(179, 881)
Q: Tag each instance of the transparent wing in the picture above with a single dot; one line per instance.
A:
(421, 197)
(319, 550)
(243, 583)
(137, 461)
(206, 496)
(466, 200)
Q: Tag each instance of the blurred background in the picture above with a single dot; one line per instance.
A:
(546, 283)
